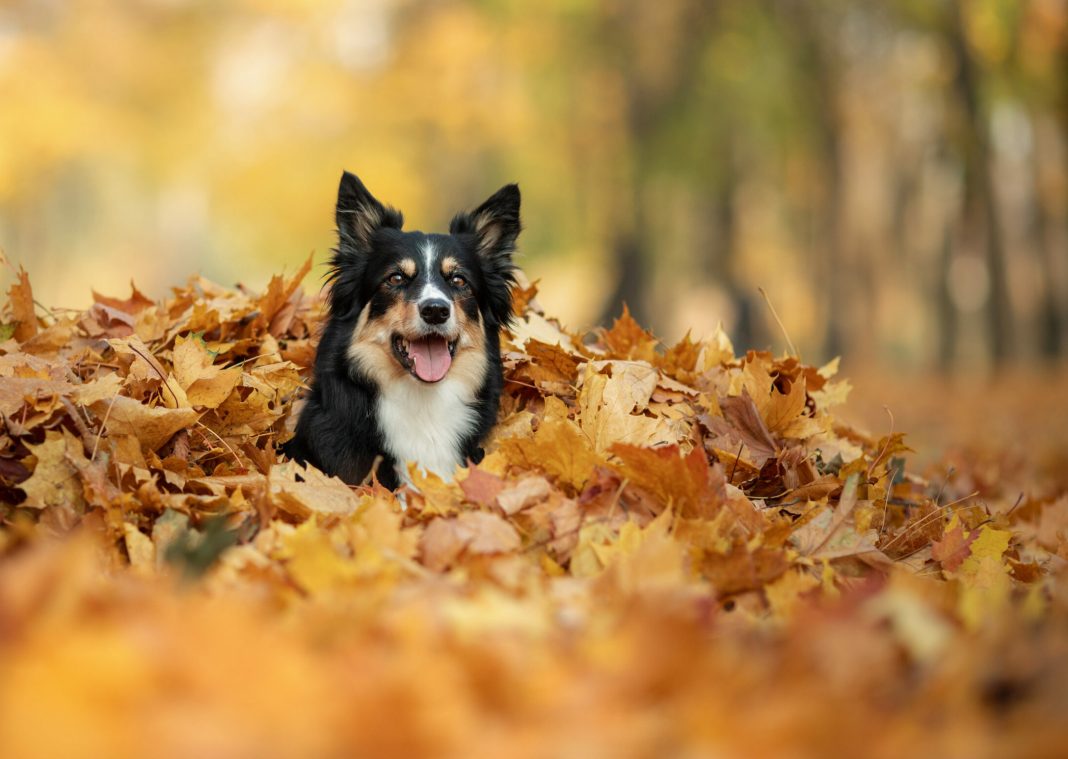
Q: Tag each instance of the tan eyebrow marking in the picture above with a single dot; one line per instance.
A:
(407, 266)
(449, 265)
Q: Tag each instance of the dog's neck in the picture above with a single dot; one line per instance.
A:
(426, 424)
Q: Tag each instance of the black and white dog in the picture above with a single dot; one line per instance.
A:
(408, 368)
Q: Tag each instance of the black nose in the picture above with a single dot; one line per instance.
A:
(434, 311)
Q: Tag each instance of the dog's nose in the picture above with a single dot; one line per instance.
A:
(434, 311)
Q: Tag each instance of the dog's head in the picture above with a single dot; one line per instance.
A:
(422, 303)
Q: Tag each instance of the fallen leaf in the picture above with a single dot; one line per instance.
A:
(55, 480)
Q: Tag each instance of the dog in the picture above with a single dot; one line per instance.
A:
(408, 367)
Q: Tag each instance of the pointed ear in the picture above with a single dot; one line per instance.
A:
(359, 215)
(495, 224)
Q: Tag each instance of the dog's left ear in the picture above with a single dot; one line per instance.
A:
(494, 225)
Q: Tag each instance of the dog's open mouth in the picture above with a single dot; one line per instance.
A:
(428, 357)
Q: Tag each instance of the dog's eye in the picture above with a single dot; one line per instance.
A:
(396, 279)
(458, 281)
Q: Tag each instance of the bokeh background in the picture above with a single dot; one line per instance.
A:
(893, 174)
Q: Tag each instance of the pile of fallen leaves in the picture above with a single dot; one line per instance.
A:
(667, 551)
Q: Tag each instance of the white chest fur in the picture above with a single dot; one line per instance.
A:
(424, 423)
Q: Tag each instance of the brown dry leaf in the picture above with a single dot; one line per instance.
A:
(549, 364)
(473, 532)
(23, 310)
(558, 448)
(15, 392)
(955, 545)
(627, 340)
(304, 491)
(55, 480)
(740, 569)
(205, 384)
(151, 426)
(741, 423)
(680, 360)
(102, 388)
(716, 351)
(686, 484)
(481, 486)
(522, 297)
(135, 304)
(606, 403)
(783, 410)
(139, 548)
(523, 493)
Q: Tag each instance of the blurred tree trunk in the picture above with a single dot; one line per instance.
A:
(817, 67)
(637, 35)
(719, 238)
(947, 309)
(980, 204)
(1050, 316)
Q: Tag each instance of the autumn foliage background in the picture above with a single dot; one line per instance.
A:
(723, 542)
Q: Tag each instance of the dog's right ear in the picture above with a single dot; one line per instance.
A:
(359, 215)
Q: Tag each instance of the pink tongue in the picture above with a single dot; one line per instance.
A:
(431, 358)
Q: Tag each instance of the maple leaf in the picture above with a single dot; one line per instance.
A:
(481, 487)
(303, 491)
(686, 484)
(205, 384)
(716, 351)
(23, 310)
(785, 412)
(680, 360)
(15, 392)
(55, 480)
(558, 448)
(523, 297)
(151, 426)
(646, 559)
(741, 424)
(549, 364)
(955, 545)
(626, 339)
(985, 576)
(314, 560)
(523, 493)
(472, 532)
(741, 569)
(605, 406)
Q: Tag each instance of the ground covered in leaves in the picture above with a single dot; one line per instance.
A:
(668, 551)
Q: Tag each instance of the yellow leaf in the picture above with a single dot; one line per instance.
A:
(445, 540)
(205, 384)
(984, 576)
(312, 560)
(605, 406)
(305, 491)
(151, 426)
(139, 548)
(781, 411)
(558, 448)
(716, 351)
(55, 480)
(784, 594)
(649, 559)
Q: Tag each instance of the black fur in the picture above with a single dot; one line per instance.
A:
(339, 430)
